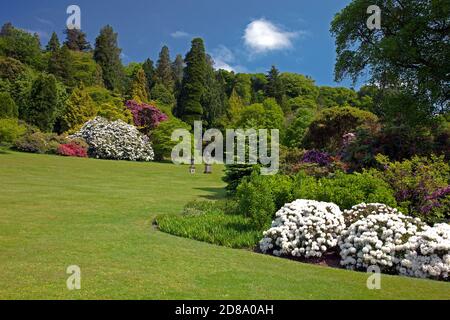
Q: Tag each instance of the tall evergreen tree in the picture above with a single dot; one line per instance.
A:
(214, 98)
(150, 72)
(43, 103)
(53, 45)
(76, 40)
(60, 64)
(107, 55)
(164, 69)
(177, 71)
(139, 91)
(189, 103)
(80, 108)
(235, 106)
(274, 87)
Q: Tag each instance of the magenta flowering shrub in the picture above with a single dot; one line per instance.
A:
(72, 149)
(146, 117)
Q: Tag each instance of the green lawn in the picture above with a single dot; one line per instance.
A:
(56, 212)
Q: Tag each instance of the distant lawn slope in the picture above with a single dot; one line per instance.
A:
(56, 212)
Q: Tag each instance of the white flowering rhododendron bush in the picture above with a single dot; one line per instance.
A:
(304, 228)
(363, 210)
(383, 236)
(115, 140)
(427, 254)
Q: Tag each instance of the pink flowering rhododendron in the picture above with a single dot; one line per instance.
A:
(72, 150)
(145, 116)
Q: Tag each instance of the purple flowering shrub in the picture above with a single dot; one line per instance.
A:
(438, 204)
(314, 156)
(146, 117)
(421, 186)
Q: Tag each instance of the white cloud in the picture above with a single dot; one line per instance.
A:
(179, 34)
(225, 59)
(45, 21)
(262, 35)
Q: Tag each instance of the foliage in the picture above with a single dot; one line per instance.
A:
(304, 228)
(417, 182)
(34, 141)
(163, 95)
(53, 44)
(234, 173)
(275, 86)
(330, 125)
(42, 110)
(298, 85)
(266, 115)
(8, 108)
(346, 190)
(398, 143)
(150, 75)
(214, 99)
(11, 130)
(409, 52)
(330, 97)
(243, 87)
(161, 137)
(208, 221)
(80, 109)
(107, 55)
(85, 70)
(115, 140)
(189, 106)
(260, 196)
(164, 73)
(20, 45)
(76, 40)
(139, 91)
(10, 68)
(60, 64)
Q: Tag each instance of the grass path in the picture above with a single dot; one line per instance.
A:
(56, 212)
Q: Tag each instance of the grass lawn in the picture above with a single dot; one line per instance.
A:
(56, 212)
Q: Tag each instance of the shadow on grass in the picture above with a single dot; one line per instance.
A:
(216, 193)
(4, 151)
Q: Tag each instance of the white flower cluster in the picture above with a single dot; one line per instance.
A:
(427, 255)
(363, 210)
(115, 140)
(304, 228)
(374, 239)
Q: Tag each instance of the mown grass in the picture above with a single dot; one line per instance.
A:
(207, 221)
(56, 212)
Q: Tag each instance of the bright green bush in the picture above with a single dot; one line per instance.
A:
(10, 130)
(259, 197)
(345, 190)
(209, 221)
(161, 137)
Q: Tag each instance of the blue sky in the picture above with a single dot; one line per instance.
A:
(245, 35)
